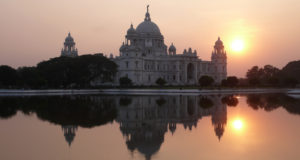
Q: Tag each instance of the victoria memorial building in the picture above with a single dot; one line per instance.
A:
(144, 57)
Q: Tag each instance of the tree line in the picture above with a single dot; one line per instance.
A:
(91, 70)
(60, 72)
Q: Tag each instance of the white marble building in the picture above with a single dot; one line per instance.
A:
(144, 57)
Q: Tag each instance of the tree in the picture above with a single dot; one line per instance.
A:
(160, 82)
(29, 77)
(231, 81)
(268, 75)
(289, 74)
(230, 100)
(205, 103)
(78, 71)
(125, 82)
(8, 76)
(290, 81)
(206, 81)
(253, 75)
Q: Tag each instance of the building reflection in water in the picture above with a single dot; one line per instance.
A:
(145, 120)
(69, 133)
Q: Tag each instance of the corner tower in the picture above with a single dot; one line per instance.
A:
(69, 49)
(219, 61)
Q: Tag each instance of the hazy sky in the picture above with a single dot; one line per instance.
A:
(34, 30)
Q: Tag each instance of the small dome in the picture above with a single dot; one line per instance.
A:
(69, 38)
(131, 30)
(219, 44)
(122, 47)
(172, 48)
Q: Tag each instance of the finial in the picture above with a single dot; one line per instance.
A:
(148, 8)
(69, 34)
(147, 17)
(218, 37)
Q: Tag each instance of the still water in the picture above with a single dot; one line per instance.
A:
(94, 127)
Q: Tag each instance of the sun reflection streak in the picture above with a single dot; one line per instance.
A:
(238, 124)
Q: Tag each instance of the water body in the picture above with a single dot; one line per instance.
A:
(109, 127)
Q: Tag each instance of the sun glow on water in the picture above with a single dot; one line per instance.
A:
(238, 124)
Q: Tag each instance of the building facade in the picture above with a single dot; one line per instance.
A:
(144, 57)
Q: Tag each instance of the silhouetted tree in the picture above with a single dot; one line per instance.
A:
(268, 75)
(29, 77)
(231, 81)
(78, 71)
(160, 82)
(290, 81)
(230, 101)
(205, 103)
(84, 111)
(253, 75)
(125, 82)
(206, 81)
(8, 76)
(291, 70)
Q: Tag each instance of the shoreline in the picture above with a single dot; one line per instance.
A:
(49, 92)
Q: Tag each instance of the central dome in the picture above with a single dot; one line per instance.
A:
(148, 27)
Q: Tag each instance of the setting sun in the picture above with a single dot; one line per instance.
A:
(238, 124)
(237, 45)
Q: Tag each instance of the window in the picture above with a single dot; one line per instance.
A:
(174, 77)
(127, 64)
(136, 64)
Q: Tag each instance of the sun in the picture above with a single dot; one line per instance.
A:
(237, 45)
(237, 124)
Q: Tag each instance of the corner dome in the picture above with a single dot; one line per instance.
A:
(69, 38)
(131, 30)
(219, 44)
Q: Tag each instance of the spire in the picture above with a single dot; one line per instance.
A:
(147, 17)
(69, 34)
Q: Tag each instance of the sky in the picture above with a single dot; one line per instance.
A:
(34, 30)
